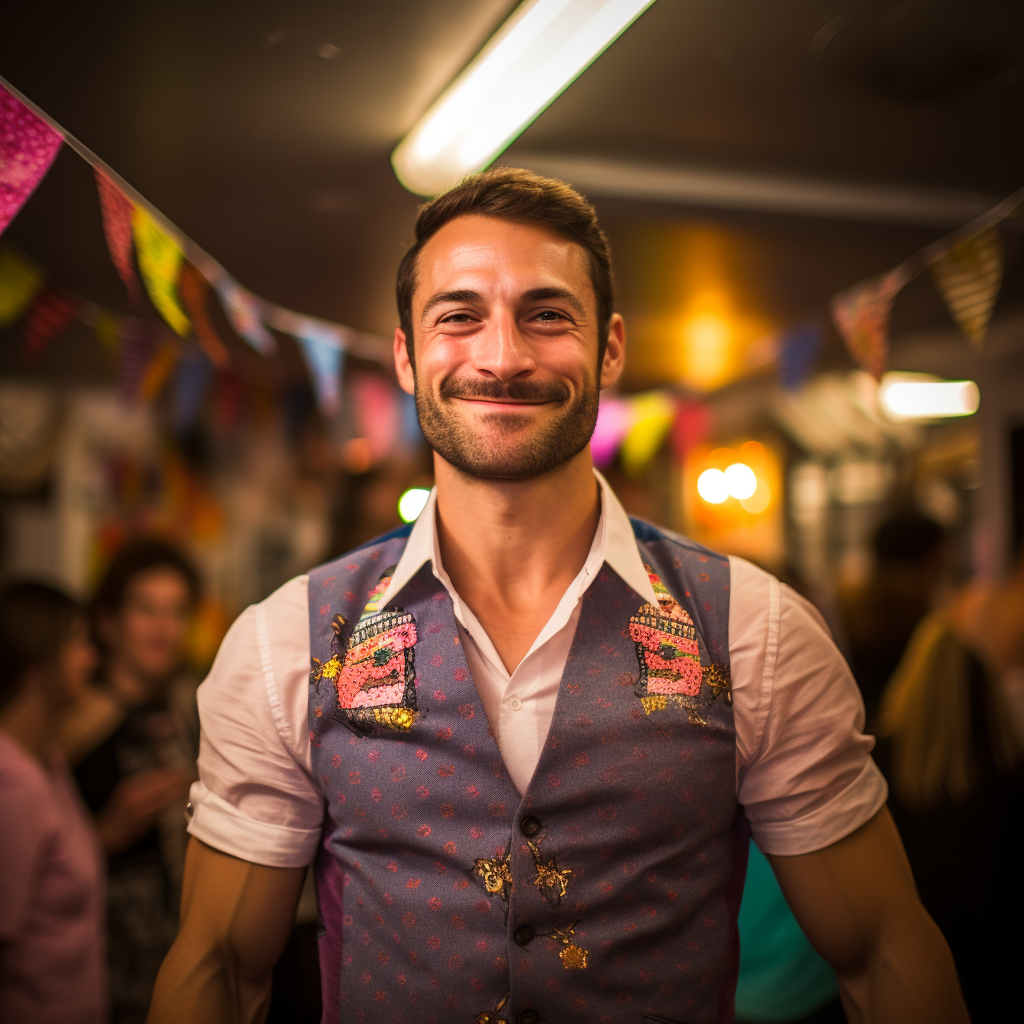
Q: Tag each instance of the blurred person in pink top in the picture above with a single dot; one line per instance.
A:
(51, 884)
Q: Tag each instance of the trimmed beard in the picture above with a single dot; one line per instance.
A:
(518, 453)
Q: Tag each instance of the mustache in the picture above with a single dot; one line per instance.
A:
(504, 391)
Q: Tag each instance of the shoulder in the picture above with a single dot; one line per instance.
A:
(26, 793)
(376, 552)
(650, 534)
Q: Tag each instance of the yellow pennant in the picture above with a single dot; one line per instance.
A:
(108, 333)
(969, 276)
(20, 279)
(160, 259)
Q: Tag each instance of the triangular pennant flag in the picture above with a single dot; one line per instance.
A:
(20, 280)
(27, 148)
(159, 371)
(138, 348)
(969, 276)
(51, 314)
(245, 314)
(117, 211)
(324, 349)
(192, 380)
(651, 419)
(798, 352)
(194, 288)
(614, 418)
(107, 327)
(861, 314)
(160, 259)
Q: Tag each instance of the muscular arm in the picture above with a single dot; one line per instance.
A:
(235, 921)
(857, 903)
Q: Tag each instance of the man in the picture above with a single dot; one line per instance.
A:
(534, 732)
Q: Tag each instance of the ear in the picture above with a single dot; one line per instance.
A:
(403, 368)
(614, 352)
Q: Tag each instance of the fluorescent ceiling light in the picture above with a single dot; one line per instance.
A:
(541, 49)
(918, 397)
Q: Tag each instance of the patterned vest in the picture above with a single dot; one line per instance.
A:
(609, 892)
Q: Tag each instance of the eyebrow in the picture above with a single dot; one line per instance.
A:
(533, 295)
(463, 295)
(538, 294)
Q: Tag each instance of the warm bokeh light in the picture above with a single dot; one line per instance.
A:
(759, 500)
(707, 350)
(918, 397)
(712, 486)
(411, 503)
(740, 480)
(731, 500)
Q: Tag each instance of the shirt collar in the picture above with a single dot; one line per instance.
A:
(614, 543)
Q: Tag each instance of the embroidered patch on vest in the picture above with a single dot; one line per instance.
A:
(668, 653)
(496, 873)
(375, 681)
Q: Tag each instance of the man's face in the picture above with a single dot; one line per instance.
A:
(148, 634)
(506, 344)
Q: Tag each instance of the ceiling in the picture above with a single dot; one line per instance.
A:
(263, 130)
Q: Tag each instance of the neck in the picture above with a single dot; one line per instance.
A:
(516, 538)
(27, 721)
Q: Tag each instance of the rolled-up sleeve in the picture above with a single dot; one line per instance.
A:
(255, 798)
(810, 779)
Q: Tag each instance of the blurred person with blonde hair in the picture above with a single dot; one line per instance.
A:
(955, 764)
(51, 876)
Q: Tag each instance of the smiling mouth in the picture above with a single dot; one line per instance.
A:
(514, 393)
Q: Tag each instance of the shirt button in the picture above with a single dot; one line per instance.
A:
(529, 1017)
(514, 703)
(523, 935)
(530, 826)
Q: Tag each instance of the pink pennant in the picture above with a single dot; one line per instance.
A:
(117, 208)
(139, 347)
(49, 317)
(862, 316)
(28, 146)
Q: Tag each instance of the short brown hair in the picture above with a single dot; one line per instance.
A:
(510, 193)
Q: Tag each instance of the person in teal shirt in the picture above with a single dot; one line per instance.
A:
(782, 978)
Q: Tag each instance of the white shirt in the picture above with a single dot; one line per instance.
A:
(803, 768)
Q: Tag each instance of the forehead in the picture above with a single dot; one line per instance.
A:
(160, 581)
(491, 255)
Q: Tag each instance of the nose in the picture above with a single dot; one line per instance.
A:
(501, 351)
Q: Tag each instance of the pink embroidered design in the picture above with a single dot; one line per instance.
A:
(375, 679)
(668, 653)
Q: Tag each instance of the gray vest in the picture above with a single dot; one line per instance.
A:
(609, 892)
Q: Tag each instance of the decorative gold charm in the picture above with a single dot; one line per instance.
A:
(497, 875)
(552, 881)
(572, 956)
(493, 1016)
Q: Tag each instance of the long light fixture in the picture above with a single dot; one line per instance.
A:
(537, 52)
(920, 397)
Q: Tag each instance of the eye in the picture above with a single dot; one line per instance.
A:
(550, 315)
(456, 318)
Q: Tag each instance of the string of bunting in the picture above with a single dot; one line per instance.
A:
(180, 279)
(177, 274)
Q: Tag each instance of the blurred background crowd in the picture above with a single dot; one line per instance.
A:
(749, 162)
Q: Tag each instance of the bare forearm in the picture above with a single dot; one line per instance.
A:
(236, 918)
(909, 978)
(856, 902)
(206, 989)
